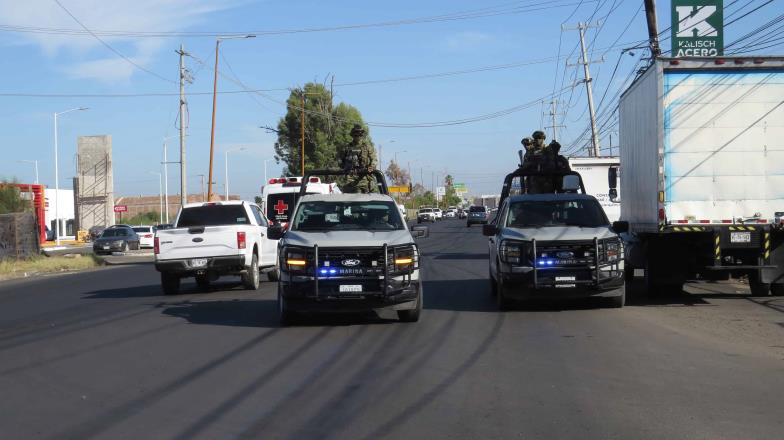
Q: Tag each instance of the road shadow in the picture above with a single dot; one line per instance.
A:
(459, 256)
(261, 313)
(126, 292)
(458, 295)
(234, 313)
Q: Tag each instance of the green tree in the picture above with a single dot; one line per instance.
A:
(327, 130)
(11, 200)
(450, 198)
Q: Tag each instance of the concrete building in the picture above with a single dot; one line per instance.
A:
(94, 183)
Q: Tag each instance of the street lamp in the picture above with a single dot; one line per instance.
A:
(265, 168)
(165, 164)
(395, 154)
(226, 168)
(214, 104)
(57, 176)
(36, 167)
(160, 196)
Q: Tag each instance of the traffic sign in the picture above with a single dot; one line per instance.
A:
(459, 186)
(120, 208)
(398, 189)
(697, 28)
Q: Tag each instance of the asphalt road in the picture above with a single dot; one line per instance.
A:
(103, 354)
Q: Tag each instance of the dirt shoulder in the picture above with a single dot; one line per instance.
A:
(14, 269)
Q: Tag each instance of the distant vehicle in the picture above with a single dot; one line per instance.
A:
(116, 239)
(280, 195)
(476, 215)
(210, 240)
(146, 235)
(450, 214)
(555, 245)
(49, 234)
(348, 252)
(426, 215)
(462, 214)
(439, 213)
(594, 174)
(402, 209)
(95, 232)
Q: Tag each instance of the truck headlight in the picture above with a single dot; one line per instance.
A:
(513, 252)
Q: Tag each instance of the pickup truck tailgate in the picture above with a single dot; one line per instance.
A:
(195, 242)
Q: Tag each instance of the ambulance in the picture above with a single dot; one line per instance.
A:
(281, 194)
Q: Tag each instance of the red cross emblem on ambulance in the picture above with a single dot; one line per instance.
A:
(281, 207)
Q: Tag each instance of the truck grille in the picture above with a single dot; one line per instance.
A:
(565, 253)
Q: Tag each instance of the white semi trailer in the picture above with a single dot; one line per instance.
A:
(702, 182)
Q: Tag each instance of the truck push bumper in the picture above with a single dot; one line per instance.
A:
(302, 297)
(523, 286)
(215, 264)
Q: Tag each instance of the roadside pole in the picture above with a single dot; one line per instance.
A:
(183, 110)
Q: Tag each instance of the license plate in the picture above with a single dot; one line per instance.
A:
(106, 248)
(198, 262)
(740, 237)
(564, 279)
(346, 288)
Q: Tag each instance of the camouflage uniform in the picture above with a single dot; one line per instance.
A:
(542, 158)
(359, 157)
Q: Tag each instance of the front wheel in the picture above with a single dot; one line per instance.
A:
(413, 314)
(777, 289)
(758, 288)
(250, 279)
(501, 300)
(285, 316)
(274, 274)
(618, 301)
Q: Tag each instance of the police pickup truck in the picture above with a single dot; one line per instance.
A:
(555, 245)
(348, 252)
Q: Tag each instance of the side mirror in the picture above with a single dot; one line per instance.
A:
(613, 194)
(620, 227)
(489, 230)
(275, 232)
(612, 177)
(420, 232)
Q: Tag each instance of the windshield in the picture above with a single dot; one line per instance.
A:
(586, 213)
(477, 209)
(213, 215)
(343, 216)
(426, 210)
(116, 232)
(142, 229)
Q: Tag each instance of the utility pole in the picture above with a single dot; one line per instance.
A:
(653, 30)
(582, 27)
(203, 195)
(553, 114)
(183, 180)
(302, 133)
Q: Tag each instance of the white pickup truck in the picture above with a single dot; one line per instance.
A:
(214, 239)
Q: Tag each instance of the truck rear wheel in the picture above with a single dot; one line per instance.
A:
(250, 278)
(170, 283)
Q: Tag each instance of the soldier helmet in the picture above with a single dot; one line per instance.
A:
(538, 134)
(358, 130)
(526, 141)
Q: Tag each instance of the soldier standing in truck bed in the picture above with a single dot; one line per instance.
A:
(358, 158)
(543, 158)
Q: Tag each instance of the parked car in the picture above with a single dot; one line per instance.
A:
(426, 215)
(450, 214)
(439, 213)
(116, 239)
(210, 240)
(146, 235)
(94, 232)
(476, 215)
(461, 214)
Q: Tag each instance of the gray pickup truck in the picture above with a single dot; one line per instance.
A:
(555, 245)
(348, 252)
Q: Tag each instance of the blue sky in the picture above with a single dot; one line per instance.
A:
(477, 153)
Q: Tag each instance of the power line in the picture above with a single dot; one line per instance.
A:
(491, 11)
(108, 46)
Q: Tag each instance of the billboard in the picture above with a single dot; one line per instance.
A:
(697, 28)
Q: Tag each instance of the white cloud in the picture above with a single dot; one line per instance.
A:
(468, 40)
(103, 15)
